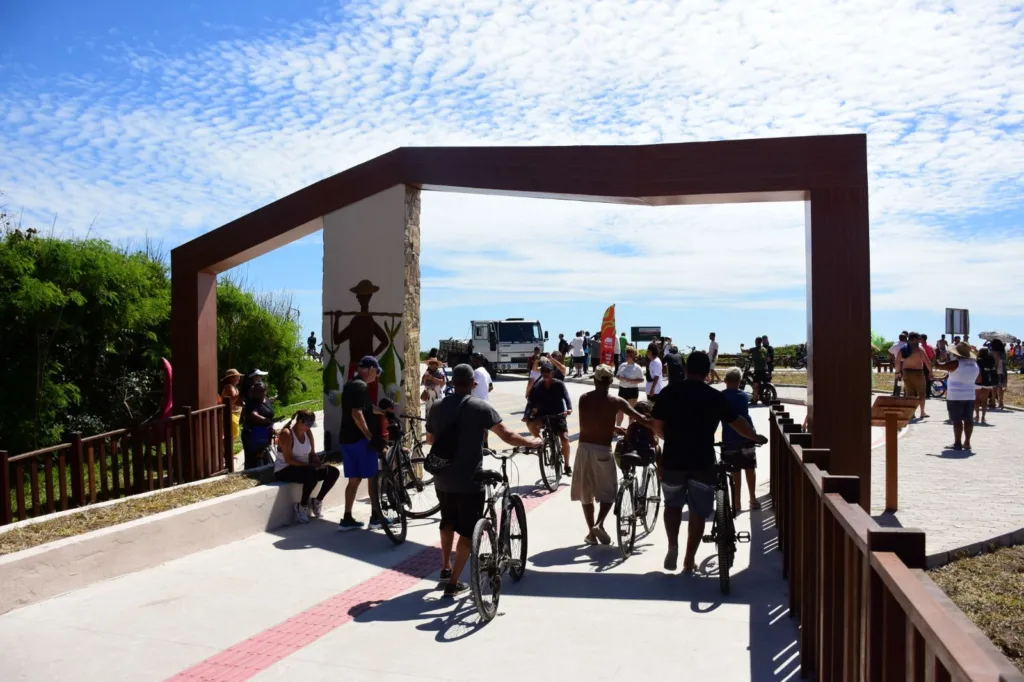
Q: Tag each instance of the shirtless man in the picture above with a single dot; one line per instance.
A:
(595, 476)
(912, 364)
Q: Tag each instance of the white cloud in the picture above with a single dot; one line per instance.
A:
(176, 144)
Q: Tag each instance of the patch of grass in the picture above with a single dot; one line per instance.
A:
(90, 519)
(312, 398)
(882, 381)
(989, 589)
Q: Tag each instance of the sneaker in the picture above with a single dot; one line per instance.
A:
(455, 589)
(374, 524)
(671, 558)
(602, 535)
(316, 508)
(300, 513)
(442, 580)
(348, 523)
(568, 470)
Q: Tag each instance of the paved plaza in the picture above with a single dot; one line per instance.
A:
(306, 602)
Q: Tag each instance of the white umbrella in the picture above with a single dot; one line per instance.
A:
(1002, 336)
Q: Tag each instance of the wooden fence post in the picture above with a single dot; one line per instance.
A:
(139, 472)
(229, 440)
(77, 469)
(892, 468)
(6, 512)
(187, 445)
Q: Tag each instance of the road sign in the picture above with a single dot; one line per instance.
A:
(958, 321)
(645, 333)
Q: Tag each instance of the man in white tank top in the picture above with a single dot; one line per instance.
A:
(963, 371)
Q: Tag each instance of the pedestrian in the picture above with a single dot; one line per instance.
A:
(586, 352)
(361, 440)
(942, 349)
(672, 365)
(686, 417)
(623, 345)
(230, 395)
(653, 373)
(912, 366)
(631, 378)
(1002, 372)
(534, 366)
(735, 448)
(713, 377)
(931, 353)
(898, 346)
(257, 427)
(550, 398)
(560, 371)
(769, 353)
(595, 477)
(299, 463)
(463, 420)
(576, 352)
(484, 385)
(960, 392)
(987, 380)
(595, 350)
(433, 383)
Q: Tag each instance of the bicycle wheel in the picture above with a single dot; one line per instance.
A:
(513, 525)
(548, 473)
(420, 498)
(726, 539)
(483, 570)
(768, 394)
(559, 458)
(625, 526)
(652, 501)
(938, 388)
(392, 513)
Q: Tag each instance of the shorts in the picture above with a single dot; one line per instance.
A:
(360, 460)
(960, 410)
(558, 423)
(461, 511)
(629, 392)
(760, 376)
(914, 383)
(693, 488)
(595, 476)
(740, 459)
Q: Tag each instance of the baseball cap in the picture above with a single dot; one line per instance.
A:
(603, 373)
(546, 366)
(257, 373)
(369, 362)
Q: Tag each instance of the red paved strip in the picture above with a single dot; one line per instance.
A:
(251, 657)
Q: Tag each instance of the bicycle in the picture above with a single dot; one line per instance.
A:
(499, 545)
(416, 485)
(723, 529)
(636, 499)
(552, 461)
(767, 390)
(389, 486)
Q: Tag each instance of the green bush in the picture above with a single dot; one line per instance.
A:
(85, 324)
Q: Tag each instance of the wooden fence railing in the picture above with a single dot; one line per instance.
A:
(186, 447)
(868, 611)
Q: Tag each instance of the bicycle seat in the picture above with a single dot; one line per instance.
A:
(487, 476)
(632, 459)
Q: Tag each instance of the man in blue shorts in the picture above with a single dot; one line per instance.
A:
(359, 438)
(686, 416)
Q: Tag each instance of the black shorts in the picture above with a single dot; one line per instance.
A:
(557, 423)
(629, 392)
(760, 375)
(461, 511)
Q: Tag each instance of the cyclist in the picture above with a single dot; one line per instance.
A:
(550, 397)
(595, 476)
(686, 418)
(759, 359)
(735, 447)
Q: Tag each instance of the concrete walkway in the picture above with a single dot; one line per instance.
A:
(306, 602)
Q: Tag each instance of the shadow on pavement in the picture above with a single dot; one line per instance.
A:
(450, 624)
(950, 453)
(888, 520)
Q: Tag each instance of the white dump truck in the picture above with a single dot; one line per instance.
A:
(506, 345)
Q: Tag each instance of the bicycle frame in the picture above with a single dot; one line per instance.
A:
(493, 493)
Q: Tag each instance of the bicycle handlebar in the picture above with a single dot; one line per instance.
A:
(745, 443)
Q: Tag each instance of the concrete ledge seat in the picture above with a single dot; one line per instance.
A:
(46, 571)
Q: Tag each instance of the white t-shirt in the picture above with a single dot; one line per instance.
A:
(713, 351)
(300, 453)
(897, 347)
(655, 368)
(960, 385)
(483, 382)
(634, 372)
(576, 347)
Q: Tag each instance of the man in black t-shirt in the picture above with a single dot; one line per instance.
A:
(686, 416)
(672, 365)
(462, 497)
(360, 439)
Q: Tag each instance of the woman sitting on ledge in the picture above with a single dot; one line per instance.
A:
(299, 463)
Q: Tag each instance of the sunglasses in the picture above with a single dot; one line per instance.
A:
(309, 422)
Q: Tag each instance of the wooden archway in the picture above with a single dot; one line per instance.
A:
(829, 173)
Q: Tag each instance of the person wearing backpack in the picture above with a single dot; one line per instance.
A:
(455, 429)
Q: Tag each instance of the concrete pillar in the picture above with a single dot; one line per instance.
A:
(411, 317)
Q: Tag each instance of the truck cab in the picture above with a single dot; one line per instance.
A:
(507, 345)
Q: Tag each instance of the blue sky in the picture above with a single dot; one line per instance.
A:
(133, 120)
